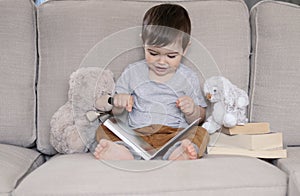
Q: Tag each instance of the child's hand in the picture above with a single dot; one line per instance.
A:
(186, 105)
(123, 101)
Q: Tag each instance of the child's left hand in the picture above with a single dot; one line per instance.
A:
(186, 105)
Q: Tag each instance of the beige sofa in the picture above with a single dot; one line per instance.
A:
(41, 46)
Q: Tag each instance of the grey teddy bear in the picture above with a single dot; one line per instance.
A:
(71, 131)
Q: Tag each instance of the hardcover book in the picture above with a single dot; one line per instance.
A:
(267, 154)
(252, 142)
(249, 128)
(252, 139)
(130, 137)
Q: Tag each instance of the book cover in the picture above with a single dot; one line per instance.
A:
(252, 142)
(267, 154)
(130, 137)
(249, 128)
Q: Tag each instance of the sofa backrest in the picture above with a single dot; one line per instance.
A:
(275, 68)
(69, 30)
(18, 72)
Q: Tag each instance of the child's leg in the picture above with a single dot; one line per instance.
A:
(104, 133)
(182, 150)
(191, 147)
(196, 140)
(107, 149)
(200, 139)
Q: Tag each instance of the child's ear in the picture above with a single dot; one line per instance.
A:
(186, 49)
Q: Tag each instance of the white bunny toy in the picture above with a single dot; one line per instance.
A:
(229, 104)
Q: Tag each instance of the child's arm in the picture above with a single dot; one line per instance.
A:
(190, 109)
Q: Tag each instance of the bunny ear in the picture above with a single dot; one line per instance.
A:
(205, 87)
(208, 85)
(229, 92)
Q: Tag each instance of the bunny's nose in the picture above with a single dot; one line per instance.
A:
(208, 96)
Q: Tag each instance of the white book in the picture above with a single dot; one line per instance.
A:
(248, 128)
(252, 142)
(267, 154)
(145, 150)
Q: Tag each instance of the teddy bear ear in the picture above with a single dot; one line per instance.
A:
(105, 84)
(72, 81)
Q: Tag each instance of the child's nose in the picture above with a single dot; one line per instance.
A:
(162, 59)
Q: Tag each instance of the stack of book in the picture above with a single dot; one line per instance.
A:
(252, 139)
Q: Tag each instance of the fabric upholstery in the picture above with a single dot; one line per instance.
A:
(82, 33)
(291, 166)
(275, 73)
(18, 72)
(71, 34)
(15, 164)
(211, 175)
(294, 184)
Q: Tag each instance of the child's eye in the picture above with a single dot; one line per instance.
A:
(171, 56)
(153, 53)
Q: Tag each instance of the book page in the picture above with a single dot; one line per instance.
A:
(130, 137)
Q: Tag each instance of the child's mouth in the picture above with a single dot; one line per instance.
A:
(161, 69)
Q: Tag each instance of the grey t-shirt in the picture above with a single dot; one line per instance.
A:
(155, 103)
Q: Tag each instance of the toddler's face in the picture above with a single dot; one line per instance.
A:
(164, 60)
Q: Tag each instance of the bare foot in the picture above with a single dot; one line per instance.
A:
(108, 150)
(186, 151)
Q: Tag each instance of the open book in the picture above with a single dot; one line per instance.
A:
(130, 137)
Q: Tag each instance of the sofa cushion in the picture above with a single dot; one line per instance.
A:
(82, 174)
(15, 164)
(294, 184)
(291, 166)
(18, 72)
(275, 73)
(292, 162)
(70, 30)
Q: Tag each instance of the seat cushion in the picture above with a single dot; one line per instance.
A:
(82, 174)
(72, 31)
(275, 73)
(294, 184)
(18, 72)
(291, 166)
(15, 164)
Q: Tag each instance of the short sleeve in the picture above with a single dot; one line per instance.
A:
(123, 83)
(196, 92)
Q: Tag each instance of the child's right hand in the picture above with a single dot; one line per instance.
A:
(123, 101)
